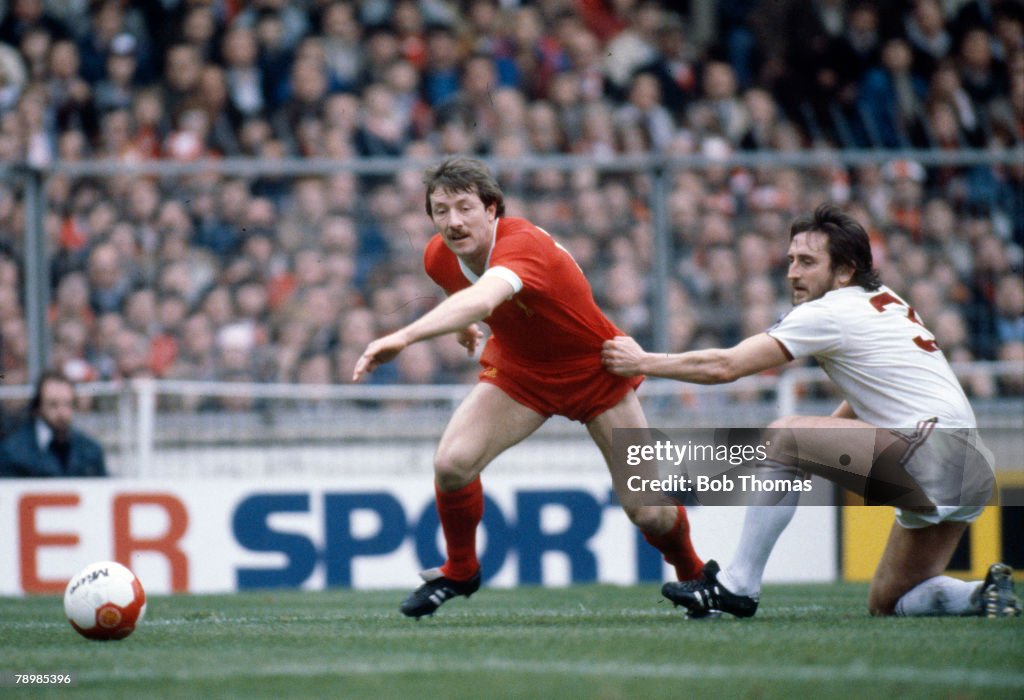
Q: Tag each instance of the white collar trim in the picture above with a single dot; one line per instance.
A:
(469, 274)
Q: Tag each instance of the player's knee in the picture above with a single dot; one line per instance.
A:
(779, 435)
(452, 470)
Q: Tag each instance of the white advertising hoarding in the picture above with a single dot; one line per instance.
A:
(225, 535)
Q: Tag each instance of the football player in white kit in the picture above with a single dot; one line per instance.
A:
(904, 414)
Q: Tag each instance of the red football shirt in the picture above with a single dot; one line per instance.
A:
(552, 319)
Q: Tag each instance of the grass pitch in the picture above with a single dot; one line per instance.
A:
(582, 642)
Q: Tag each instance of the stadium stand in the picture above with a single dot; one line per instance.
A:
(276, 279)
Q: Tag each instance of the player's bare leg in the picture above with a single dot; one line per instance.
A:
(909, 579)
(910, 557)
(484, 425)
(837, 448)
(665, 527)
(854, 454)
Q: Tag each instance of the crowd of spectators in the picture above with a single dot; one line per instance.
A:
(215, 277)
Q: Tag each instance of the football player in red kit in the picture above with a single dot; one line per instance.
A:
(543, 359)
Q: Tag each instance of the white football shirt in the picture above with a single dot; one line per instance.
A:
(880, 355)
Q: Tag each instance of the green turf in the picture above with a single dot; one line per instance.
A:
(582, 642)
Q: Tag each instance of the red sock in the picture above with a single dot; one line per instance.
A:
(460, 512)
(675, 545)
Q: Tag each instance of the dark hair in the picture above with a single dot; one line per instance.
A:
(848, 242)
(50, 375)
(462, 174)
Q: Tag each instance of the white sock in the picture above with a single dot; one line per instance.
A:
(762, 526)
(940, 595)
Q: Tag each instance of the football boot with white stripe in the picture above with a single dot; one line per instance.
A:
(436, 590)
(998, 599)
(705, 595)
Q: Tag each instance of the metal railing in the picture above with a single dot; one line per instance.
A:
(136, 425)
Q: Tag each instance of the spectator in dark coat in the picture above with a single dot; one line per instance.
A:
(47, 445)
(893, 99)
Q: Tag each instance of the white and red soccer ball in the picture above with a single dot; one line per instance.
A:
(104, 601)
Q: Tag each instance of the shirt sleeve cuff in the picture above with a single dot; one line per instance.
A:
(507, 275)
(782, 346)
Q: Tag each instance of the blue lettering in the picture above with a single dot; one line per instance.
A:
(648, 560)
(584, 520)
(500, 535)
(252, 532)
(341, 546)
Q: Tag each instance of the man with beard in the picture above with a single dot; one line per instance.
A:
(904, 435)
(47, 445)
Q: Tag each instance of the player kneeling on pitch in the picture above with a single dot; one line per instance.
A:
(543, 358)
(904, 430)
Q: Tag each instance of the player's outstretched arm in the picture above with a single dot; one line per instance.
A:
(456, 313)
(757, 353)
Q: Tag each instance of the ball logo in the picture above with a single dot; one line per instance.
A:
(89, 578)
(104, 601)
(108, 616)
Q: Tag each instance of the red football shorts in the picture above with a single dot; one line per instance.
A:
(578, 394)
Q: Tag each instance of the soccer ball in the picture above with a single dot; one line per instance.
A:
(104, 601)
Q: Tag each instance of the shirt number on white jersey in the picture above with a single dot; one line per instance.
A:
(880, 301)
